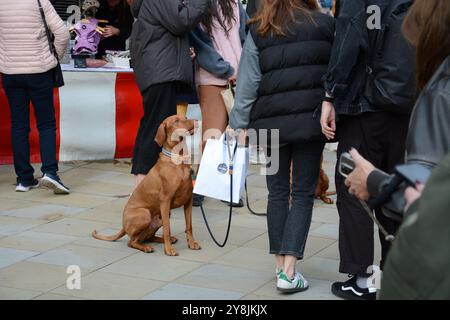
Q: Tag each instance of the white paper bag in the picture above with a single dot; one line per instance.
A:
(213, 178)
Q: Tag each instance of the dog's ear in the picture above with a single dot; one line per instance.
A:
(161, 135)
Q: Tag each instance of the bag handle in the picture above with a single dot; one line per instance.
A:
(47, 31)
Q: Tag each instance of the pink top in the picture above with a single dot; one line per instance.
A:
(230, 48)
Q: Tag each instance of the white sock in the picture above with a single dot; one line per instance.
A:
(362, 282)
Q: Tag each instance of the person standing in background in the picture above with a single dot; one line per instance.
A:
(118, 28)
(26, 65)
(377, 131)
(279, 88)
(217, 43)
(162, 64)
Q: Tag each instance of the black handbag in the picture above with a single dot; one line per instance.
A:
(58, 80)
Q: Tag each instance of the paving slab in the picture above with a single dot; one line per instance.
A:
(36, 241)
(82, 256)
(12, 225)
(10, 256)
(17, 294)
(174, 291)
(73, 227)
(109, 286)
(34, 276)
(218, 276)
(153, 266)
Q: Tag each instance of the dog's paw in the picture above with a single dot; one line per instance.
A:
(193, 245)
(327, 200)
(170, 252)
(148, 249)
(173, 240)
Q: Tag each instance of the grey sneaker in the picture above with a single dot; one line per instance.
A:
(53, 182)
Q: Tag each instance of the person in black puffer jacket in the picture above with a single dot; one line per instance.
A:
(279, 87)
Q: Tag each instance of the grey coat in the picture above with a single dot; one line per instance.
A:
(160, 42)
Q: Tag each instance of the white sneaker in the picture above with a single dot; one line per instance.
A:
(20, 187)
(298, 284)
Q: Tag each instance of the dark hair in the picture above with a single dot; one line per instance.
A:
(120, 10)
(227, 9)
(427, 27)
(276, 16)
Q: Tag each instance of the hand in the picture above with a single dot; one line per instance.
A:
(232, 80)
(111, 31)
(240, 134)
(328, 120)
(192, 53)
(357, 180)
(412, 194)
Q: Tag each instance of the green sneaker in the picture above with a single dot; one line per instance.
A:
(298, 284)
(278, 272)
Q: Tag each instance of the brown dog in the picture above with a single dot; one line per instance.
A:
(167, 186)
(323, 185)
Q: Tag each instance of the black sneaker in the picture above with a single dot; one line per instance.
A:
(53, 182)
(235, 205)
(25, 187)
(197, 200)
(349, 290)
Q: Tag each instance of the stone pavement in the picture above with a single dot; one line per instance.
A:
(41, 234)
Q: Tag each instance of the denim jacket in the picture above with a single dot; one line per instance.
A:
(207, 56)
(346, 76)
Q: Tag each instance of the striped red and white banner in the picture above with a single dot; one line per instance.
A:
(97, 115)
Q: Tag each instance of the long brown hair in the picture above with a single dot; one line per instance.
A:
(427, 26)
(276, 16)
(227, 8)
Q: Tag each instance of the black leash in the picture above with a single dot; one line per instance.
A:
(230, 171)
(259, 214)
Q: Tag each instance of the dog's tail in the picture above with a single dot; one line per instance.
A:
(115, 237)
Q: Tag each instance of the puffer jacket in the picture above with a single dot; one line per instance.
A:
(160, 40)
(24, 47)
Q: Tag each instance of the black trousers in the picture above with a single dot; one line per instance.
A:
(20, 89)
(380, 137)
(159, 103)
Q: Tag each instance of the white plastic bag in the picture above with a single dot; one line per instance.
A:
(213, 178)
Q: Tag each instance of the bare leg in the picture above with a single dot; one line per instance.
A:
(138, 179)
(289, 265)
(279, 260)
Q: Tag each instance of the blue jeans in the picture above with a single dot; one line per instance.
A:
(288, 223)
(20, 89)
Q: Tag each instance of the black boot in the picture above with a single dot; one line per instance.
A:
(197, 200)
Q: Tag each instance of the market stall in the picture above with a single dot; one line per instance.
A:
(98, 112)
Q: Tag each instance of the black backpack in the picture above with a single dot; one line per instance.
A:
(391, 64)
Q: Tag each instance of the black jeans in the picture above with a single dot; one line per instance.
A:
(159, 103)
(20, 90)
(380, 138)
(288, 224)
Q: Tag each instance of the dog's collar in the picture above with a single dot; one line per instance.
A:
(175, 157)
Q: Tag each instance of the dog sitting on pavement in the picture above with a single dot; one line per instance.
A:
(167, 186)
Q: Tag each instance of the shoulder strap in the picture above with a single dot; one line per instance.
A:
(47, 30)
